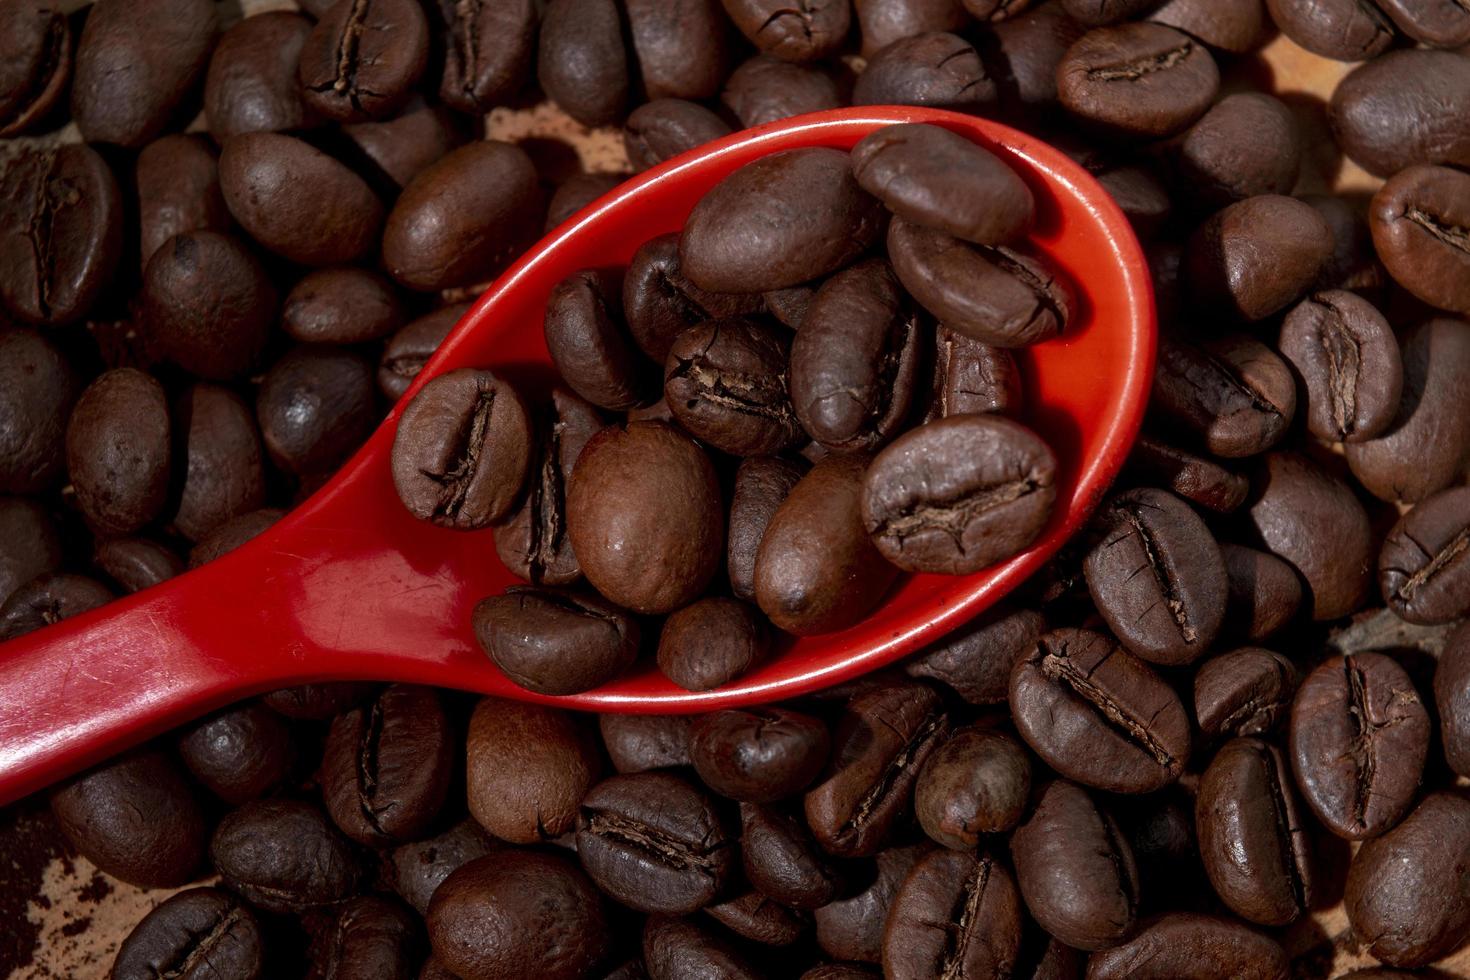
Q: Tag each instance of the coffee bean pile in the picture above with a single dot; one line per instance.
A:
(1241, 697)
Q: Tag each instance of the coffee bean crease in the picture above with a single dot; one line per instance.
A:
(875, 795)
(1132, 71)
(1056, 665)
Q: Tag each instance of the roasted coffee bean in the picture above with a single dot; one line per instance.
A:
(363, 58)
(804, 591)
(680, 47)
(664, 128)
(959, 494)
(1187, 946)
(1418, 220)
(879, 747)
(519, 914)
(1347, 355)
(783, 862)
(1075, 869)
(1265, 592)
(996, 295)
(680, 949)
(995, 11)
(1172, 614)
(118, 451)
(590, 346)
(971, 377)
(1097, 714)
(1346, 30)
(1452, 700)
(583, 64)
(408, 350)
(1258, 256)
(61, 231)
(761, 484)
(810, 31)
(135, 62)
(386, 766)
(297, 201)
(29, 544)
(1406, 898)
(1422, 569)
(134, 564)
(1245, 692)
(577, 192)
(1359, 738)
(37, 60)
(883, 22)
(229, 536)
(420, 867)
(725, 383)
(711, 642)
(1022, 54)
(488, 52)
(1312, 521)
(556, 642)
(199, 934)
(370, 938)
(638, 743)
(464, 217)
(1404, 109)
(936, 69)
(48, 599)
(650, 559)
(1095, 13)
(655, 843)
(851, 928)
(955, 915)
(1247, 144)
(978, 782)
(318, 702)
(660, 302)
(1252, 836)
(177, 182)
(1198, 479)
(208, 304)
(284, 856)
(341, 306)
(758, 755)
(1137, 80)
(976, 660)
(765, 89)
(1354, 264)
(532, 542)
(748, 233)
(403, 147)
(529, 767)
(1438, 25)
(757, 918)
(240, 753)
(37, 390)
(1237, 28)
(251, 84)
(315, 407)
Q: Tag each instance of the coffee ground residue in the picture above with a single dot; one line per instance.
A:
(29, 842)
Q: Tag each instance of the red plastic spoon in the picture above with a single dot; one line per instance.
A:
(349, 586)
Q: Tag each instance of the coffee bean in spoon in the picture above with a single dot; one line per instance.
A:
(711, 642)
(971, 377)
(761, 484)
(725, 382)
(554, 641)
(590, 344)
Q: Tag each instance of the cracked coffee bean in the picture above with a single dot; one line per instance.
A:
(725, 382)
(363, 58)
(1233, 396)
(1199, 479)
(809, 30)
(970, 377)
(1424, 567)
(1245, 692)
(1137, 80)
(1189, 945)
(488, 52)
(1347, 355)
(1421, 228)
(956, 914)
(199, 934)
(935, 69)
(554, 641)
(660, 303)
(37, 60)
(284, 856)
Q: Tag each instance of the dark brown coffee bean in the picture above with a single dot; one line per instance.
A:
(1022, 54)
(48, 599)
(135, 818)
(408, 350)
(1232, 395)
(959, 494)
(805, 591)
(297, 201)
(1244, 692)
(576, 193)
(1354, 264)
(403, 147)
(995, 11)
(318, 702)
(519, 914)
(725, 383)
(199, 934)
(935, 69)
(488, 52)
(315, 407)
(1404, 109)
(529, 767)
(208, 304)
(341, 306)
(590, 346)
(1237, 28)
(1265, 592)
(37, 391)
(977, 782)
(765, 89)
(1198, 479)
(370, 938)
(1348, 357)
(583, 64)
(37, 60)
(134, 564)
(284, 856)
(1075, 869)
(555, 642)
(1095, 13)
(660, 303)
(1187, 946)
(1423, 570)
(464, 217)
(1172, 613)
(650, 559)
(880, 744)
(783, 862)
(711, 642)
(638, 743)
(29, 544)
(971, 377)
(177, 182)
(386, 766)
(783, 220)
(758, 755)
(231, 534)
(420, 867)
(975, 661)
(1346, 30)
(1259, 255)
(1252, 836)
(1138, 80)
(1452, 700)
(240, 753)
(1418, 220)
(999, 296)
(757, 918)
(135, 62)
(1099, 715)
(851, 928)
(664, 128)
(61, 231)
(955, 915)
(462, 450)
(883, 22)
(251, 84)
(761, 484)
(680, 47)
(679, 949)
(118, 451)
(1247, 144)
(809, 31)
(1406, 898)
(654, 843)
(363, 58)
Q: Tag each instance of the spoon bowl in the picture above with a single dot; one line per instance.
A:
(350, 586)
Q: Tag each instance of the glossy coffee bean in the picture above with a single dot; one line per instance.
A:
(1200, 479)
(1247, 144)
(1189, 946)
(386, 766)
(556, 642)
(1265, 592)
(38, 62)
(766, 89)
(711, 642)
(934, 69)
(1253, 835)
(1347, 355)
(883, 22)
(488, 53)
(1404, 109)
(725, 382)
(664, 128)
(590, 345)
(1416, 220)
(177, 182)
(583, 64)
(405, 146)
(655, 843)
(1259, 255)
(199, 934)
(783, 862)
(1171, 613)
(1244, 692)
(681, 47)
(638, 743)
(118, 451)
(675, 949)
(976, 660)
(420, 867)
(240, 753)
(519, 914)
(811, 32)
(29, 544)
(956, 914)
(341, 306)
(37, 390)
(758, 755)
(230, 535)
(371, 938)
(1099, 715)
(1359, 738)
(251, 84)
(761, 484)
(408, 350)
(1422, 570)
(1345, 30)
(47, 599)
(1075, 869)
(851, 928)
(362, 59)
(660, 303)
(971, 377)
(284, 856)
(755, 917)
(315, 407)
(977, 782)
(1137, 80)
(463, 450)
(528, 768)
(134, 564)
(879, 747)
